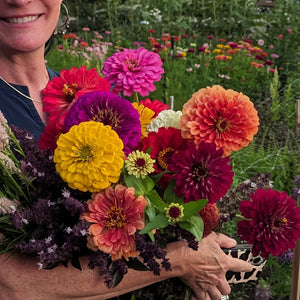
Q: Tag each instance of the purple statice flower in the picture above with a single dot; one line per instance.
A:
(133, 70)
(111, 110)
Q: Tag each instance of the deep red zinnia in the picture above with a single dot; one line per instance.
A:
(201, 172)
(273, 222)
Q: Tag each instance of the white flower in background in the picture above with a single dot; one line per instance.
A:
(166, 118)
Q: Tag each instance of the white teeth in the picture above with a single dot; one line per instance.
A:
(22, 20)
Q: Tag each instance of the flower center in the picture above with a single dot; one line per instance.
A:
(164, 157)
(140, 162)
(132, 64)
(85, 153)
(200, 172)
(115, 218)
(69, 91)
(174, 212)
(106, 116)
(221, 125)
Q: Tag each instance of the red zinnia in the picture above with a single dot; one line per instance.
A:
(155, 105)
(61, 92)
(201, 172)
(272, 222)
(210, 216)
(225, 117)
(163, 144)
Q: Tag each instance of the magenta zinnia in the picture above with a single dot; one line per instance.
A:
(272, 222)
(111, 110)
(201, 172)
(133, 70)
(116, 214)
(225, 117)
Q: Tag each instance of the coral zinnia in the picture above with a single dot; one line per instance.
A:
(111, 110)
(272, 222)
(225, 117)
(115, 215)
(61, 92)
(89, 157)
(133, 70)
(201, 172)
(210, 217)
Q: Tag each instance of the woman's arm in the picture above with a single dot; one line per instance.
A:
(203, 271)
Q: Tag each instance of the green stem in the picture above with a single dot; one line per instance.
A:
(135, 97)
(239, 217)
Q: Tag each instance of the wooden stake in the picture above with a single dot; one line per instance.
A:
(298, 118)
(295, 290)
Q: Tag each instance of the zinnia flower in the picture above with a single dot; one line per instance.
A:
(139, 164)
(272, 222)
(201, 172)
(146, 117)
(163, 144)
(166, 118)
(89, 157)
(111, 110)
(210, 216)
(225, 117)
(155, 105)
(115, 215)
(61, 92)
(133, 70)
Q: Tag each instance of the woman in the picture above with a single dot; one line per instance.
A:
(25, 26)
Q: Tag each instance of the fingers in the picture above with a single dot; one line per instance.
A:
(238, 265)
(224, 241)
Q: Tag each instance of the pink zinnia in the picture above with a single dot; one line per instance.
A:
(133, 70)
(201, 172)
(272, 222)
(116, 214)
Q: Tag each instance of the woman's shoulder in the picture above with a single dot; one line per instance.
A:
(52, 73)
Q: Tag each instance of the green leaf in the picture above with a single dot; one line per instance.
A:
(193, 207)
(170, 196)
(140, 185)
(159, 221)
(194, 225)
(155, 200)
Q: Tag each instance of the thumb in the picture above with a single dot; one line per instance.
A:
(224, 241)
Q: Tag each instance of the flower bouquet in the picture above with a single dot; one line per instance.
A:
(117, 178)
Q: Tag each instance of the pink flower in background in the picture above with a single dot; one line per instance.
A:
(290, 31)
(273, 55)
(280, 36)
(133, 70)
(261, 42)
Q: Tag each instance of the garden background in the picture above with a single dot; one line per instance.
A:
(248, 46)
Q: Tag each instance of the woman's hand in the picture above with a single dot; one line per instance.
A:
(204, 270)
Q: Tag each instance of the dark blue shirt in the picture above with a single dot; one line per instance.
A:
(19, 110)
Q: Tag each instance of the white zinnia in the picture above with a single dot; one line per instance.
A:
(166, 118)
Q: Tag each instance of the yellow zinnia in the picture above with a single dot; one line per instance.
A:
(146, 117)
(89, 157)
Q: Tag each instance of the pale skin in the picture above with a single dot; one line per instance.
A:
(22, 62)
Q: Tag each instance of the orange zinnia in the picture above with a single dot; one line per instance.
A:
(225, 117)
